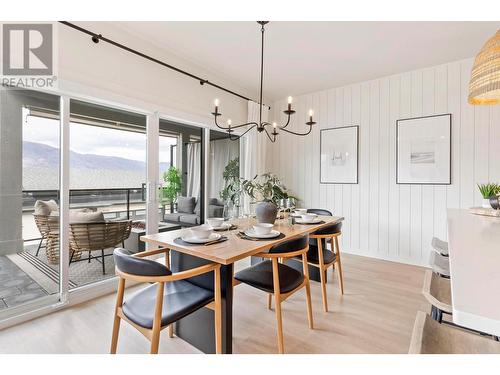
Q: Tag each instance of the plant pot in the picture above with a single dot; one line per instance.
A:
(486, 203)
(266, 212)
(495, 203)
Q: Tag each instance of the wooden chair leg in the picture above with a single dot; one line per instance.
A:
(116, 323)
(155, 337)
(308, 291)
(218, 312)
(269, 301)
(277, 297)
(322, 275)
(171, 330)
(339, 265)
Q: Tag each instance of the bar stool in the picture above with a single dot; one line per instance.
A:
(440, 246)
(280, 280)
(319, 256)
(440, 264)
(167, 300)
(430, 337)
(437, 291)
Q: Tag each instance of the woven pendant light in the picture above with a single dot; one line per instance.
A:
(484, 85)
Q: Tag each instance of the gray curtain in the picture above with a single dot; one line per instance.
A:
(193, 169)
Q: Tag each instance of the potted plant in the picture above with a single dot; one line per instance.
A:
(488, 191)
(172, 187)
(230, 194)
(267, 189)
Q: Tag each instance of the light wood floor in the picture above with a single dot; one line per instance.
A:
(375, 315)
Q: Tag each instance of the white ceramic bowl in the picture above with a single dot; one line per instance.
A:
(308, 217)
(215, 222)
(300, 211)
(202, 232)
(263, 228)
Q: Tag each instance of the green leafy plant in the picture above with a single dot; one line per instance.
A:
(489, 190)
(266, 187)
(173, 185)
(232, 183)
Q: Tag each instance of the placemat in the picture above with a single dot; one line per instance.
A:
(319, 222)
(180, 241)
(243, 236)
(232, 227)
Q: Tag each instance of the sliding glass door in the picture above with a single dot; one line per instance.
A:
(75, 173)
(30, 266)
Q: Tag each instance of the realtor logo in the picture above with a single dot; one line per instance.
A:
(27, 50)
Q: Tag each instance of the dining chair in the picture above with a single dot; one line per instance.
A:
(430, 337)
(321, 257)
(440, 246)
(170, 297)
(280, 280)
(440, 264)
(437, 291)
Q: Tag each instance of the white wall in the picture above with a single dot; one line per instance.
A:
(383, 219)
(114, 75)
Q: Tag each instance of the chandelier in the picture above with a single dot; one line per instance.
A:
(262, 126)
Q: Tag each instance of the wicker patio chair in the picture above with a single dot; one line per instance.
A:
(89, 237)
(51, 225)
(41, 224)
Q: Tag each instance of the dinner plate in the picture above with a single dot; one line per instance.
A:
(315, 221)
(251, 233)
(191, 239)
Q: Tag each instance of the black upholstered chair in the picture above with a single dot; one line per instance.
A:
(319, 256)
(161, 304)
(278, 279)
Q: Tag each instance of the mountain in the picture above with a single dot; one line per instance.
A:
(44, 156)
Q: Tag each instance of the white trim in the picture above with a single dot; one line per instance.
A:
(206, 168)
(64, 172)
(152, 162)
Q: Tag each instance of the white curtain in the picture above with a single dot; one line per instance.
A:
(221, 152)
(193, 169)
(253, 148)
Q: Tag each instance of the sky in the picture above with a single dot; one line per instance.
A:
(86, 139)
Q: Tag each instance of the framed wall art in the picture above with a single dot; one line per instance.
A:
(339, 149)
(423, 150)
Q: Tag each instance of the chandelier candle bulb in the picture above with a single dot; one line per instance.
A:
(311, 113)
(290, 99)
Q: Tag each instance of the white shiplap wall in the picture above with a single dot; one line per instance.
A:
(383, 219)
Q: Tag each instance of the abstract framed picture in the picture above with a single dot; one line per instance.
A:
(339, 155)
(423, 150)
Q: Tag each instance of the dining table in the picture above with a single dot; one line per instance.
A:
(197, 328)
(474, 251)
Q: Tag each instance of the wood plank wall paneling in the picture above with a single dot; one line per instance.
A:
(383, 219)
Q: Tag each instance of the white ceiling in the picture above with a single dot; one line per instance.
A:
(303, 57)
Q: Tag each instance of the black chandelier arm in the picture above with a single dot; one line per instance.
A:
(295, 133)
(236, 137)
(287, 122)
(232, 127)
(269, 136)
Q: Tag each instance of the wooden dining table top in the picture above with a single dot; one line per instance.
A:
(235, 248)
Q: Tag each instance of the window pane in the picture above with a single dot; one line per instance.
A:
(107, 182)
(29, 197)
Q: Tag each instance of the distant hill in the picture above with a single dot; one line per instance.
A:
(43, 156)
(41, 169)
